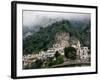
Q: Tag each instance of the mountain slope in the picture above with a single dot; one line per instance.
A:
(45, 37)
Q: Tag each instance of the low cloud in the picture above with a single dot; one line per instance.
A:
(35, 18)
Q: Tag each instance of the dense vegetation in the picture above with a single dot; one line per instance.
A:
(44, 37)
(70, 53)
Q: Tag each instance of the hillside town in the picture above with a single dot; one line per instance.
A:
(62, 40)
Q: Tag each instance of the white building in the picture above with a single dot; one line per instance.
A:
(82, 52)
(46, 54)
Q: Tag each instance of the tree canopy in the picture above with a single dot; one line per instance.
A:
(70, 53)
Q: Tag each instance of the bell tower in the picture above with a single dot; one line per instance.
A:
(78, 44)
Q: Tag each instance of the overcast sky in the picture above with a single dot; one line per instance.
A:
(34, 18)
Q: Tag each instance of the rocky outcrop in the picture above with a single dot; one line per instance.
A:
(61, 40)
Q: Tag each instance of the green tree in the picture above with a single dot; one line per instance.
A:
(57, 54)
(70, 53)
(38, 63)
(48, 62)
(60, 59)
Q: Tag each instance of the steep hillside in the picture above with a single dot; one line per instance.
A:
(45, 37)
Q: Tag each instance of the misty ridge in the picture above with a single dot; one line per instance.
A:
(42, 21)
(40, 29)
(41, 36)
(34, 20)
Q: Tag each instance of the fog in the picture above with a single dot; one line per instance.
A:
(35, 18)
